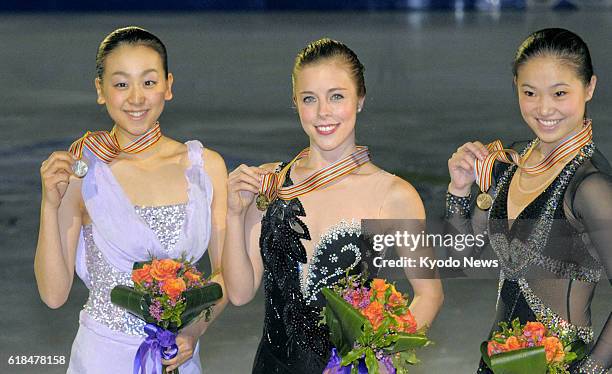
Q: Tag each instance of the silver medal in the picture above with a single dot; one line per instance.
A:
(80, 168)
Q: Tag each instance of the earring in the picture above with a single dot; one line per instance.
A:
(359, 109)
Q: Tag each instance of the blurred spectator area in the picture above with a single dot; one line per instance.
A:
(263, 5)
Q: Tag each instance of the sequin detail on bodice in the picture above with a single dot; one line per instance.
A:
(167, 222)
(328, 264)
(522, 248)
(517, 255)
(292, 334)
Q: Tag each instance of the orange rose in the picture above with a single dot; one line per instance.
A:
(554, 349)
(407, 322)
(192, 277)
(396, 298)
(374, 313)
(513, 343)
(494, 347)
(164, 269)
(174, 287)
(534, 331)
(380, 286)
(142, 275)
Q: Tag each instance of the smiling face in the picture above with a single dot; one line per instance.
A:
(134, 88)
(552, 98)
(325, 95)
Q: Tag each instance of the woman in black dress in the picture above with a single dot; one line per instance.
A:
(550, 229)
(302, 244)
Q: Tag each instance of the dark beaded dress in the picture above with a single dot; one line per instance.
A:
(292, 341)
(555, 252)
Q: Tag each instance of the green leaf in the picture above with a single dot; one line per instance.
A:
(371, 361)
(410, 357)
(196, 300)
(352, 356)
(407, 341)
(579, 348)
(528, 360)
(346, 324)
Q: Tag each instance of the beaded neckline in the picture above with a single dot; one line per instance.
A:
(516, 256)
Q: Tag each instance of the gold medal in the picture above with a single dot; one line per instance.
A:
(484, 201)
(262, 202)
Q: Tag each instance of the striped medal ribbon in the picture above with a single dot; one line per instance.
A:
(484, 169)
(272, 184)
(105, 146)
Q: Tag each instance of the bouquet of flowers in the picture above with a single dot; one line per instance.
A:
(530, 348)
(370, 325)
(168, 295)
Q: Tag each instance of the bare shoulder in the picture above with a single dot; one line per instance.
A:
(402, 200)
(173, 148)
(213, 162)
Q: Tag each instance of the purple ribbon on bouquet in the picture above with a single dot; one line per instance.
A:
(160, 343)
(336, 368)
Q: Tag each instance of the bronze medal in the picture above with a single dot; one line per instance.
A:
(262, 202)
(484, 201)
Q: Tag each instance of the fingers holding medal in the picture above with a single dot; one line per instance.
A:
(461, 167)
(244, 183)
(55, 173)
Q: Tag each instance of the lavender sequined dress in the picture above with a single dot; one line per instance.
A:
(292, 341)
(119, 235)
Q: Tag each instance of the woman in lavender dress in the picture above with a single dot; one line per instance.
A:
(157, 202)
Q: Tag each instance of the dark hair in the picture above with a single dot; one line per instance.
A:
(131, 35)
(326, 48)
(558, 43)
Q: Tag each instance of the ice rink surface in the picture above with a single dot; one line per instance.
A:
(434, 80)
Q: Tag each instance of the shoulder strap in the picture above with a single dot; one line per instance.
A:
(194, 152)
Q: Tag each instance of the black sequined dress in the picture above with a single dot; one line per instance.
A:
(554, 253)
(292, 341)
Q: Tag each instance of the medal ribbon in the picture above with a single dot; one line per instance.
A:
(105, 146)
(484, 169)
(271, 185)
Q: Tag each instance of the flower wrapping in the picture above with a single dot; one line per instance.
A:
(168, 295)
(371, 327)
(532, 348)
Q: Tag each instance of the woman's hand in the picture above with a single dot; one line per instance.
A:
(186, 346)
(461, 167)
(243, 185)
(55, 175)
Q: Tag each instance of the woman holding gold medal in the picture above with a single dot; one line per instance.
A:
(546, 206)
(296, 225)
(123, 196)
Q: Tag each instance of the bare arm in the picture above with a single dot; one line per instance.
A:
(242, 263)
(214, 165)
(403, 202)
(215, 168)
(60, 225)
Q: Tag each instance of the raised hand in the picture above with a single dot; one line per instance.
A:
(461, 167)
(243, 186)
(55, 173)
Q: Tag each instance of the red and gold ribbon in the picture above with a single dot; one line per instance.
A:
(484, 169)
(271, 185)
(106, 147)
